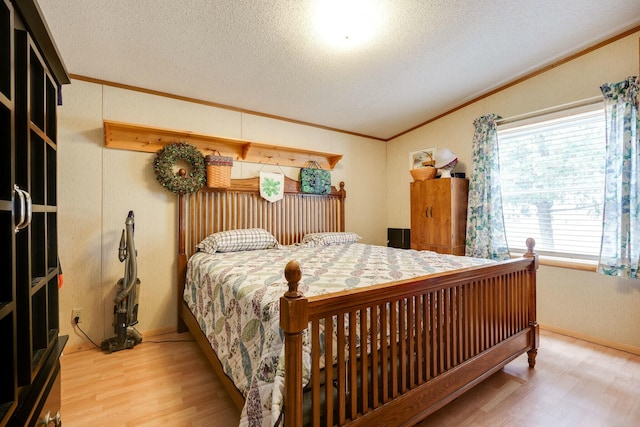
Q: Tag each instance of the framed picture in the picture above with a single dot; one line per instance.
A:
(416, 158)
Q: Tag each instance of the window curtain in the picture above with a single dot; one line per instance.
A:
(486, 236)
(620, 247)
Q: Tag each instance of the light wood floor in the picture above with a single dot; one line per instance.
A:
(575, 383)
(153, 384)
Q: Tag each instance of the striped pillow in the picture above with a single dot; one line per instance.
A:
(329, 238)
(247, 239)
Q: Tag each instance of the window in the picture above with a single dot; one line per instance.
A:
(552, 178)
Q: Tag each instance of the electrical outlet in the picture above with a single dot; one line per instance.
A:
(76, 312)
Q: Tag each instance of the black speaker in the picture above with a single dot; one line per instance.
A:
(399, 238)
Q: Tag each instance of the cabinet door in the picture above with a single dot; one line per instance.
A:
(440, 221)
(50, 413)
(36, 243)
(431, 215)
(419, 216)
(459, 200)
(8, 378)
(439, 215)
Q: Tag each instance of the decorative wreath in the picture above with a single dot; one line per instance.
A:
(181, 181)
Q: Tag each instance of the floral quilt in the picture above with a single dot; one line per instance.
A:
(235, 297)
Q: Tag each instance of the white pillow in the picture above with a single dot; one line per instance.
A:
(247, 239)
(330, 238)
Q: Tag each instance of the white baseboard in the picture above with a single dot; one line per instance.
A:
(151, 335)
(584, 337)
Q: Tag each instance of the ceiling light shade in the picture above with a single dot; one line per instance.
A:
(347, 22)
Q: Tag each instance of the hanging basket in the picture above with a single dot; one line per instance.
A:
(218, 170)
(421, 174)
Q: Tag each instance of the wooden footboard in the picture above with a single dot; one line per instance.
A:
(405, 349)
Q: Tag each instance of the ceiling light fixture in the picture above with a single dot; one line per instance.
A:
(347, 22)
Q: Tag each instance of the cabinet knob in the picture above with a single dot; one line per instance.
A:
(56, 420)
(429, 212)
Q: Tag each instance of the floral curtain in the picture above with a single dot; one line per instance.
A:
(620, 249)
(486, 236)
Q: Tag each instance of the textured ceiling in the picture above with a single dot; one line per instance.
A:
(425, 58)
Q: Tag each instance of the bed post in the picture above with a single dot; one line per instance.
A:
(533, 321)
(294, 319)
(182, 258)
(343, 195)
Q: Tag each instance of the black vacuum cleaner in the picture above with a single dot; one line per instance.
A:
(125, 310)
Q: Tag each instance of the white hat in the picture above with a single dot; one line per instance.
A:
(444, 157)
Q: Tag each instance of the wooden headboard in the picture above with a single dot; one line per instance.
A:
(218, 209)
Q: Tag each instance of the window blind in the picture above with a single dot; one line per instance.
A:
(552, 178)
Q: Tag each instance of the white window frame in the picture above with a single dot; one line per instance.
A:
(523, 124)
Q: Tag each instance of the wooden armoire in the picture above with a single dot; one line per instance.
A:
(439, 215)
(31, 73)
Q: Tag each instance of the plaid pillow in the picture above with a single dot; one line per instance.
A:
(329, 238)
(248, 239)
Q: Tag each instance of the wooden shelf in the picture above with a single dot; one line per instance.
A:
(150, 139)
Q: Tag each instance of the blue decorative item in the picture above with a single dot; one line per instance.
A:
(314, 179)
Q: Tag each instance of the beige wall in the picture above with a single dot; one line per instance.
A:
(98, 186)
(584, 303)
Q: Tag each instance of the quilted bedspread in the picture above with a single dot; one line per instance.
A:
(235, 297)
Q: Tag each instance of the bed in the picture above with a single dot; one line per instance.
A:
(388, 349)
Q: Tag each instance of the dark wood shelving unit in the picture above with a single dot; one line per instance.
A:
(29, 305)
